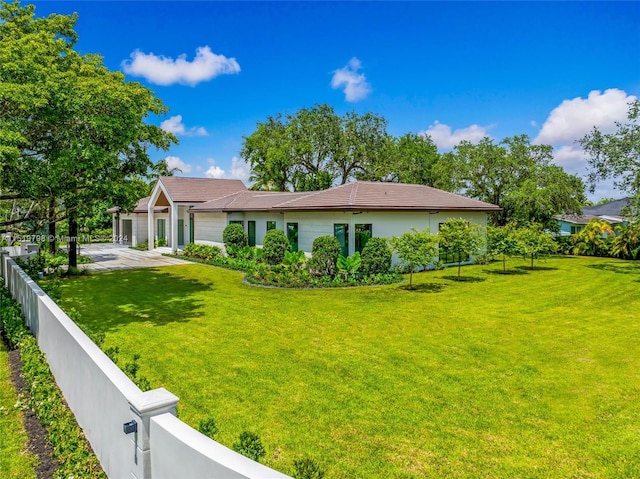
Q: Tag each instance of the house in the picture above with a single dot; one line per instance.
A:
(182, 210)
(610, 212)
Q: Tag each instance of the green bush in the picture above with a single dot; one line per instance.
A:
(274, 247)
(376, 257)
(324, 256)
(307, 468)
(250, 445)
(234, 235)
(208, 427)
(202, 251)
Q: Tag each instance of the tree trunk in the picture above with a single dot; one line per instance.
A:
(52, 225)
(459, 263)
(73, 240)
(504, 263)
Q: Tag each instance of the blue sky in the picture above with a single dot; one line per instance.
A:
(454, 70)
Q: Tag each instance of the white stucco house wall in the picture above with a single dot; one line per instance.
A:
(183, 210)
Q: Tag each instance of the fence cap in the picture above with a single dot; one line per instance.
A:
(150, 403)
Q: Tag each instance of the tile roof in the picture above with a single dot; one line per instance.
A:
(351, 196)
(372, 195)
(198, 190)
(248, 201)
(141, 207)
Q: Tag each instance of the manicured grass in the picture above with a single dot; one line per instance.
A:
(15, 461)
(529, 374)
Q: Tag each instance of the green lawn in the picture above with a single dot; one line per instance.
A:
(15, 461)
(530, 374)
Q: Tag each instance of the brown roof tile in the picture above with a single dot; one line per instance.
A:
(199, 190)
(141, 207)
(352, 196)
(385, 196)
(249, 201)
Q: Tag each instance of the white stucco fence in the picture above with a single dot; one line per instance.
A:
(103, 398)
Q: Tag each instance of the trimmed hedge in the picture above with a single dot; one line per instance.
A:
(274, 247)
(234, 235)
(376, 257)
(324, 256)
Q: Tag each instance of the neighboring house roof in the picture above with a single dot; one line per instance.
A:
(141, 207)
(198, 190)
(366, 195)
(610, 212)
(613, 208)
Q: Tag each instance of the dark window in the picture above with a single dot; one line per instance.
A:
(271, 225)
(292, 236)
(363, 234)
(251, 232)
(341, 232)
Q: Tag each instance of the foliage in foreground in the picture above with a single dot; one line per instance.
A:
(15, 461)
(70, 448)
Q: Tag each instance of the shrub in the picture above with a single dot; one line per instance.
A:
(324, 256)
(376, 257)
(307, 468)
(250, 445)
(202, 251)
(274, 246)
(234, 235)
(208, 427)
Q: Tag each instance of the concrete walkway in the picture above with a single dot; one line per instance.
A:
(109, 257)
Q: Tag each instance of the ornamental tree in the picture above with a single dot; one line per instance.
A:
(460, 237)
(415, 249)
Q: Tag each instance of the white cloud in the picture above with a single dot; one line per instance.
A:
(572, 119)
(175, 162)
(355, 84)
(240, 170)
(174, 125)
(163, 70)
(445, 138)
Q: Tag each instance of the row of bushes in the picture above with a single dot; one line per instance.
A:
(275, 264)
(47, 263)
(70, 448)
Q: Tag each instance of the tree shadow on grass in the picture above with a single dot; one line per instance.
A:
(619, 268)
(505, 273)
(465, 279)
(108, 301)
(424, 288)
(537, 268)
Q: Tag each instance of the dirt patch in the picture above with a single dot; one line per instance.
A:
(38, 444)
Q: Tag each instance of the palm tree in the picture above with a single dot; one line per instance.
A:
(626, 244)
(591, 240)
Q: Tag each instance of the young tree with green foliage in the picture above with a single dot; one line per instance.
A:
(616, 156)
(415, 249)
(535, 242)
(503, 241)
(460, 237)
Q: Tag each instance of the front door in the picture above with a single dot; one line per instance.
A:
(180, 232)
(251, 228)
(127, 231)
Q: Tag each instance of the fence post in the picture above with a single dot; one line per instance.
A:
(3, 258)
(144, 406)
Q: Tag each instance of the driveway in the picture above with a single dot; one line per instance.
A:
(109, 257)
